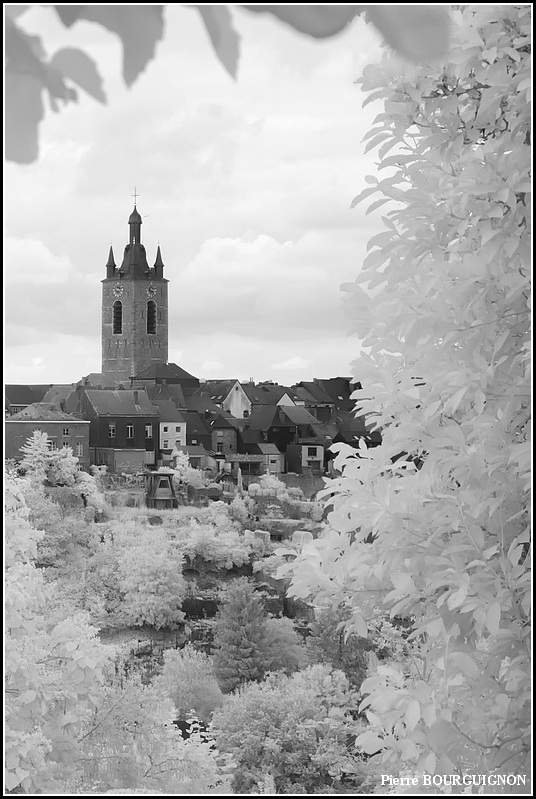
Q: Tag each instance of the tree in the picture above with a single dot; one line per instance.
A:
(150, 578)
(188, 680)
(238, 636)
(37, 456)
(416, 32)
(293, 729)
(54, 669)
(445, 327)
(328, 643)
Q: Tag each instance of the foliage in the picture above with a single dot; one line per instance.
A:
(150, 577)
(445, 328)
(188, 680)
(241, 509)
(186, 474)
(293, 729)
(130, 743)
(328, 643)
(30, 74)
(282, 646)
(54, 670)
(239, 635)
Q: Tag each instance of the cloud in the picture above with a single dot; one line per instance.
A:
(31, 261)
(293, 363)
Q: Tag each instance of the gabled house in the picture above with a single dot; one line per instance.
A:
(123, 429)
(269, 394)
(172, 428)
(267, 425)
(224, 436)
(63, 430)
(315, 399)
(339, 389)
(197, 432)
(229, 395)
(352, 428)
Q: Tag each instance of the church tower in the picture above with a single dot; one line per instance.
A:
(134, 310)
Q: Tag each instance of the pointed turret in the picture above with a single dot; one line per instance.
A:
(158, 264)
(110, 265)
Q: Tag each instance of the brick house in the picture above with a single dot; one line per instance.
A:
(63, 430)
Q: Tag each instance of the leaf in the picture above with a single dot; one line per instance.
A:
(317, 21)
(493, 618)
(11, 780)
(77, 66)
(140, 28)
(412, 715)
(23, 113)
(417, 32)
(369, 743)
(465, 663)
(223, 36)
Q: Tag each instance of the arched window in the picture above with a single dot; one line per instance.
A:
(118, 317)
(151, 317)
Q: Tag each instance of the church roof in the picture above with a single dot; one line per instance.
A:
(135, 217)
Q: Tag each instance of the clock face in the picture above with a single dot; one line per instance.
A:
(151, 290)
(117, 290)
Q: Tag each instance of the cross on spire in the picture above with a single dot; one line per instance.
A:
(135, 195)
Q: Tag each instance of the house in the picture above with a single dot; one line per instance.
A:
(340, 390)
(229, 395)
(352, 428)
(63, 430)
(169, 374)
(198, 457)
(274, 461)
(124, 426)
(197, 432)
(315, 399)
(267, 425)
(306, 457)
(18, 397)
(269, 394)
(172, 428)
(224, 436)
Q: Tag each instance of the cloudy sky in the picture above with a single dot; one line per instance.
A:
(245, 184)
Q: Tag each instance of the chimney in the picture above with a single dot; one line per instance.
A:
(136, 397)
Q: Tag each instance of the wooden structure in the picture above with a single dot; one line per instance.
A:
(159, 490)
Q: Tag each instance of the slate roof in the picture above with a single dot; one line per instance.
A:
(163, 391)
(166, 371)
(221, 422)
(25, 395)
(299, 415)
(313, 393)
(59, 393)
(167, 411)
(197, 450)
(120, 402)
(217, 389)
(194, 424)
(201, 403)
(266, 394)
(340, 389)
(265, 449)
(43, 412)
(98, 380)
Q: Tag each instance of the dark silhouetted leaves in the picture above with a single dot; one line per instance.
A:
(317, 21)
(81, 69)
(419, 33)
(223, 36)
(140, 28)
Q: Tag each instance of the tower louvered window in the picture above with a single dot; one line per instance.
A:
(118, 317)
(151, 317)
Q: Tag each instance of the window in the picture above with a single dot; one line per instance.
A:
(79, 449)
(165, 444)
(311, 452)
(194, 440)
(165, 428)
(245, 414)
(52, 443)
(151, 317)
(148, 431)
(111, 431)
(118, 318)
(65, 431)
(178, 428)
(130, 431)
(219, 446)
(219, 433)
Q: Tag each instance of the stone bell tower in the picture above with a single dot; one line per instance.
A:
(134, 309)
